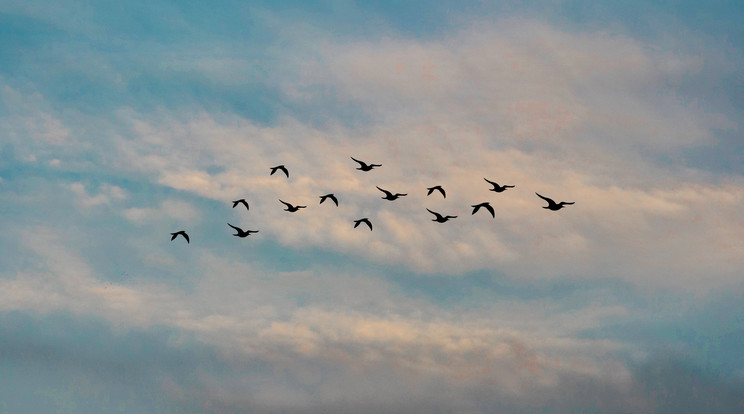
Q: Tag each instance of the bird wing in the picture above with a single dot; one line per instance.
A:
(285, 203)
(284, 169)
(431, 190)
(185, 236)
(323, 198)
(173, 236)
(490, 210)
(566, 202)
(356, 223)
(362, 164)
(450, 217)
(439, 216)
(387, 193)
(368, 223)
(490, 182)
(441, 190)
(235, 203)
(335, 200)
(236, 228)
(550, 201)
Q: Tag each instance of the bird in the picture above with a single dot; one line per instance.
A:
(485, 205)
(363, 166)
(363, 220)
(440, 218)
(241, 201)
(290, 207)
(327, 196)
(436, 187)
(280, 167)
(552, 205)
(498, 188)
(242, 233)
(182, 233)
(390, 196)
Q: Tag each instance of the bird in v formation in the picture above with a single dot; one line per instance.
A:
(439, 218)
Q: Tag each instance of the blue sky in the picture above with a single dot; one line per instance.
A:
(124, 122)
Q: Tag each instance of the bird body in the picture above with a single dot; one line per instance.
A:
(498, 188)
(281, 168)
(290, 207)
(552, 205)
(241, 201)
(390, 196)
(438, 188)
(485, 205)
(242, 233)
(364, 220)
(329, 196)
(182, 233)
(440, 218)
(363, 166)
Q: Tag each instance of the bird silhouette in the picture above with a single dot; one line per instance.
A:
(440, 218)
(280, 167)
(363, 220)
(552, 205)
(290, 207)
(242, 233)
(390, 196)
(363, 166)
(327, 196)
(241, 201)
(182, 233)
(485, 205)
(436, 187)
(498, 188)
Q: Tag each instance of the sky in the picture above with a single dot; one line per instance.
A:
(122, 122)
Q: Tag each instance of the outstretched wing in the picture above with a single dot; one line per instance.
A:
(367, 222)
(236, 228)
(361, 164)
(285, 203)
(335, 200)
(490, 210)
(387, 193)
(284, 169)
(490, 182)
(550, 201)
(439, 216)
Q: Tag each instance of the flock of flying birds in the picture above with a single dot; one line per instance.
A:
(439, 218)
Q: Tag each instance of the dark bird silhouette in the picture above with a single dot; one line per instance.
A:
(290, 207)
(182, 233)
(241, 201)
(440, 218)
(242, 233)
(552, 205)
(327, 196)
(485, 205)
(498, 188)
(280, 167)
(363, 166)
(363, 220)
(436, 187)
(390, 196)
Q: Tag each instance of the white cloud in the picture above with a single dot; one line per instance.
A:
(174, 209)
(106, 194)
(350, 322)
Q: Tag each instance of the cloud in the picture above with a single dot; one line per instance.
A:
(173, 209)
(106, 193)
